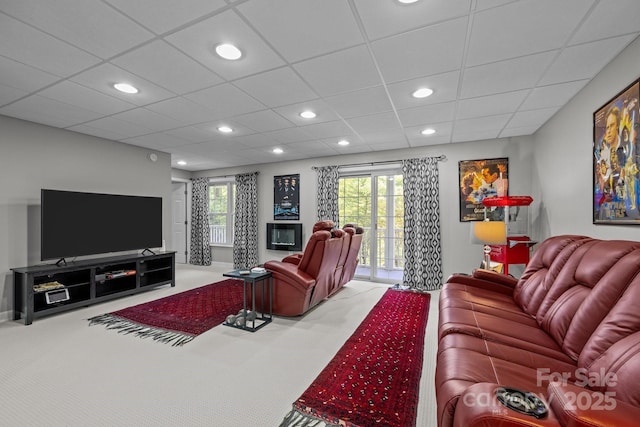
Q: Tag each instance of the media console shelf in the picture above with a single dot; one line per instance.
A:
(47, 289)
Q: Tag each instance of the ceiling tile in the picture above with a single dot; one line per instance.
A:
(490, 105)
(164, 15)
(216, 135)
(224, 101)
(149, 119)
(509, 132)
(606, 21)
(48, 111)
(167, 67)
(384, 136)
(325, 26)
(83, 97)
(94, 131)
(505, 76)
(327, 129)
(40, 50)
(263, 121)
(531, 118)
(474, 136)
(584, 61)
(553, 95)
(427, 114)
(442, 135)
(412, 54)
(267, 87)
(9, 94)
(182, 110)
(257, 140)
(444, 86)
(361, 102)
(385, 18)
(190, 133)
(526, 27)
(88, 24)
(199, 42)
(285, 136)
(342, 71)
(24, 77)
(122, 128)
(323, 111)
(375, 122)
(481, 124)
(157, 140)
(103, 77)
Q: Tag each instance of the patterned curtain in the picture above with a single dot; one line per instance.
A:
(245, 232)
(327, 202)
(200, 248)
(422, 248)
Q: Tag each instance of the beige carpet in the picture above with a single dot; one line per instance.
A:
(61, 372)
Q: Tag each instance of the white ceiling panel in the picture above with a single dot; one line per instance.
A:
(88, 24)
(361, 102)
(497, 68)
(553, 95)
(164, 15)
(585, 60)
(103, 77)
(325, 26)
(524, 28)
(83, 97)
(490, 105)
(199, 42)
(610, 18)
(263, 121)
(167, 67)
(48, 111)
(505, 76)
(427, 114)
(40, 50)
(444, 86)
(267, 87)
(342, 71)
(385, 18)
(225, 100)
(412, 54)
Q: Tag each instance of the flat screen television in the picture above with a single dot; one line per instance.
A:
(284, 237)
(76, 223)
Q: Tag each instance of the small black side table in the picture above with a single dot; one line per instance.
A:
(251, 279)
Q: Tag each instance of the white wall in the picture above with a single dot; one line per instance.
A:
(459, 255)
(34, 156)
(562, 167)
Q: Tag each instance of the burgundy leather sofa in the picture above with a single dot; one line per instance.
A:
(301, 281)
(567, 331)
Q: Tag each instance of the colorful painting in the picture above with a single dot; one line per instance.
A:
(616, 182)
(286, 197)
(479, 179)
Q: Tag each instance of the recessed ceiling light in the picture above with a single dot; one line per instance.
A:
(125, 87)
(182, 162)
(428, 131)
(407, 1)
(343, 142)
(423, 92)
(308, 114)
(228, 51)
(225, 129)
(278, 150)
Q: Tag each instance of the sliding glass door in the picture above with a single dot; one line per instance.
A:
(375, 202)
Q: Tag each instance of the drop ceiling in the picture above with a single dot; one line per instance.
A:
(497, 69)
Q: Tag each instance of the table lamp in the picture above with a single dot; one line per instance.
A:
(488, 233)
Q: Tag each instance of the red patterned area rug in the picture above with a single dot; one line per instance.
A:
(177, 319)
(374, 378)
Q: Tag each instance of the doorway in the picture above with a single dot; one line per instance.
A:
(179, 220)
(375, 202)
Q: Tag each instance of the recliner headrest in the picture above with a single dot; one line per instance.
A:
(327, 224)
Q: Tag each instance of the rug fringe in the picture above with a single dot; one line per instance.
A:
(296, 418)
(126, 326)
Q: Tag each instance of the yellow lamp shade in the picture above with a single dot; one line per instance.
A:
(489, 232)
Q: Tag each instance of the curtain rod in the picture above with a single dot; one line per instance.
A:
(441, 158)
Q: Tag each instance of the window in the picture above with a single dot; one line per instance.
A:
(222, 203)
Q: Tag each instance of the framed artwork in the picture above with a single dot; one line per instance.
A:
(479, 179)
(286, 197)
(616, 182)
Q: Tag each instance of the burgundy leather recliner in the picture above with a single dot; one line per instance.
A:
(567, 331)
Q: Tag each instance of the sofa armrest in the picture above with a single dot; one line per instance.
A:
(486, 279)
(478, 406)
(296, 277)
(577, 406)
(293, 258)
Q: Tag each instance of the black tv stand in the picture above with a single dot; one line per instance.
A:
(87, 282)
